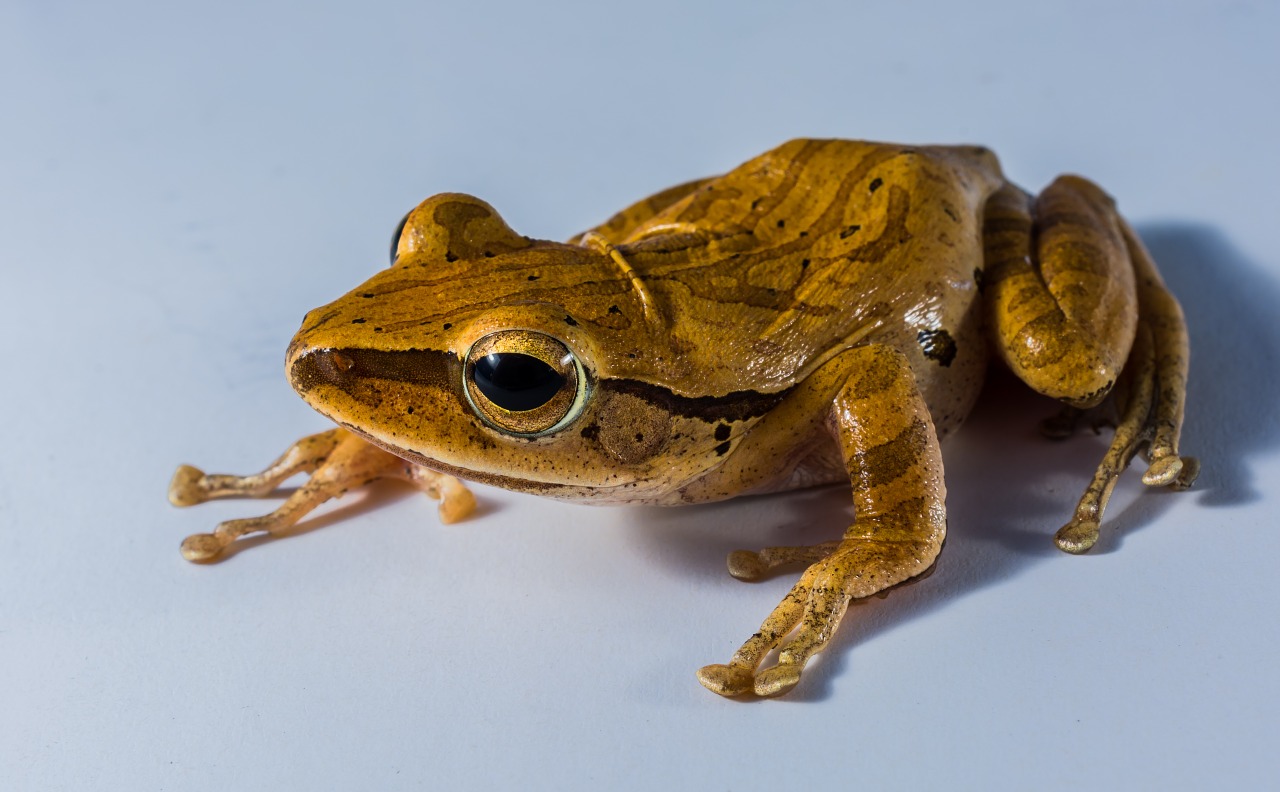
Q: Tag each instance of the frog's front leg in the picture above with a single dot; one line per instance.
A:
(337, 460)
(891, 452)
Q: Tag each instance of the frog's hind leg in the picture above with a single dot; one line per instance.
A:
(1160, 311)
(1152, 391)
(891, 453)
(1074, 301)
(338, 462)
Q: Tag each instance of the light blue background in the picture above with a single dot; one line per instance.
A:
(179, 183)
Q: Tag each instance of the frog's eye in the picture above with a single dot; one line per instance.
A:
(525, 383)
(395, 238)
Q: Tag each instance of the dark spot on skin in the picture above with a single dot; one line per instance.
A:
(782, 224)
(804, 263)
(722, 449)
(534, 277)
(631, 355)
(876, 184)
(722, 432)
(978, 278)
(450, 256)
(613, 309)
(804, 233)
(755, 203)
(591, 432)
(850, 231)
(489, 254)
(951, 212)
(569, 320)
(377, 329)
(938, 345)
(357, 321)
(446, 325)
(410, 411)
(367, 295)
(639, 437)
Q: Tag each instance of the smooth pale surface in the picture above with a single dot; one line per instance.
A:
(180, 185)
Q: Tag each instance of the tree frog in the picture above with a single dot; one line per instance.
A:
(822, 314)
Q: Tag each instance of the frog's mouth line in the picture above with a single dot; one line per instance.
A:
(547, 489)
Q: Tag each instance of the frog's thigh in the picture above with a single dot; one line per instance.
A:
(894, 463)
(1061, 297)
(347, 461)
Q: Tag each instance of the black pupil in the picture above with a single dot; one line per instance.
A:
(517, 382)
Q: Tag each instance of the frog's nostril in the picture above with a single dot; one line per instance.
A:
(340, 362)
(331, 365)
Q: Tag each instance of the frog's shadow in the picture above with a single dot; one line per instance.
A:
(1009, 490)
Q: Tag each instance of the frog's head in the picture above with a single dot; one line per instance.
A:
(486, 354)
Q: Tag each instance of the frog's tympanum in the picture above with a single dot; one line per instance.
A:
(820, 314)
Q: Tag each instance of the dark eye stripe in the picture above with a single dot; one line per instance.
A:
(517, 382)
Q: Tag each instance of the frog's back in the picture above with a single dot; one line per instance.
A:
(773, 268)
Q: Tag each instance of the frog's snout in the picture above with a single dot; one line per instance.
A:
(309, 368)
(372, 374)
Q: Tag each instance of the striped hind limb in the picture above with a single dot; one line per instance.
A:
(1076, 306)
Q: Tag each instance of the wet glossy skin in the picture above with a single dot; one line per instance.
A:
(823, 313)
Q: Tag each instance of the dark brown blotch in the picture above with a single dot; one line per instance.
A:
(888, 461)
(937, 345)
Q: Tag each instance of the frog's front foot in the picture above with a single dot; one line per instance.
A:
(185, 489)
(727, 680)
(337, 460)
(734, 681)
(754, 565)
(849, 570)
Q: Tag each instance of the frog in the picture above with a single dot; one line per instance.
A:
(824, 314)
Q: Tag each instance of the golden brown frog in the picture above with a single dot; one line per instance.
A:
(821, 314)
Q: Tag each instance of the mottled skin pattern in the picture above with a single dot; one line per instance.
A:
(821, 314)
